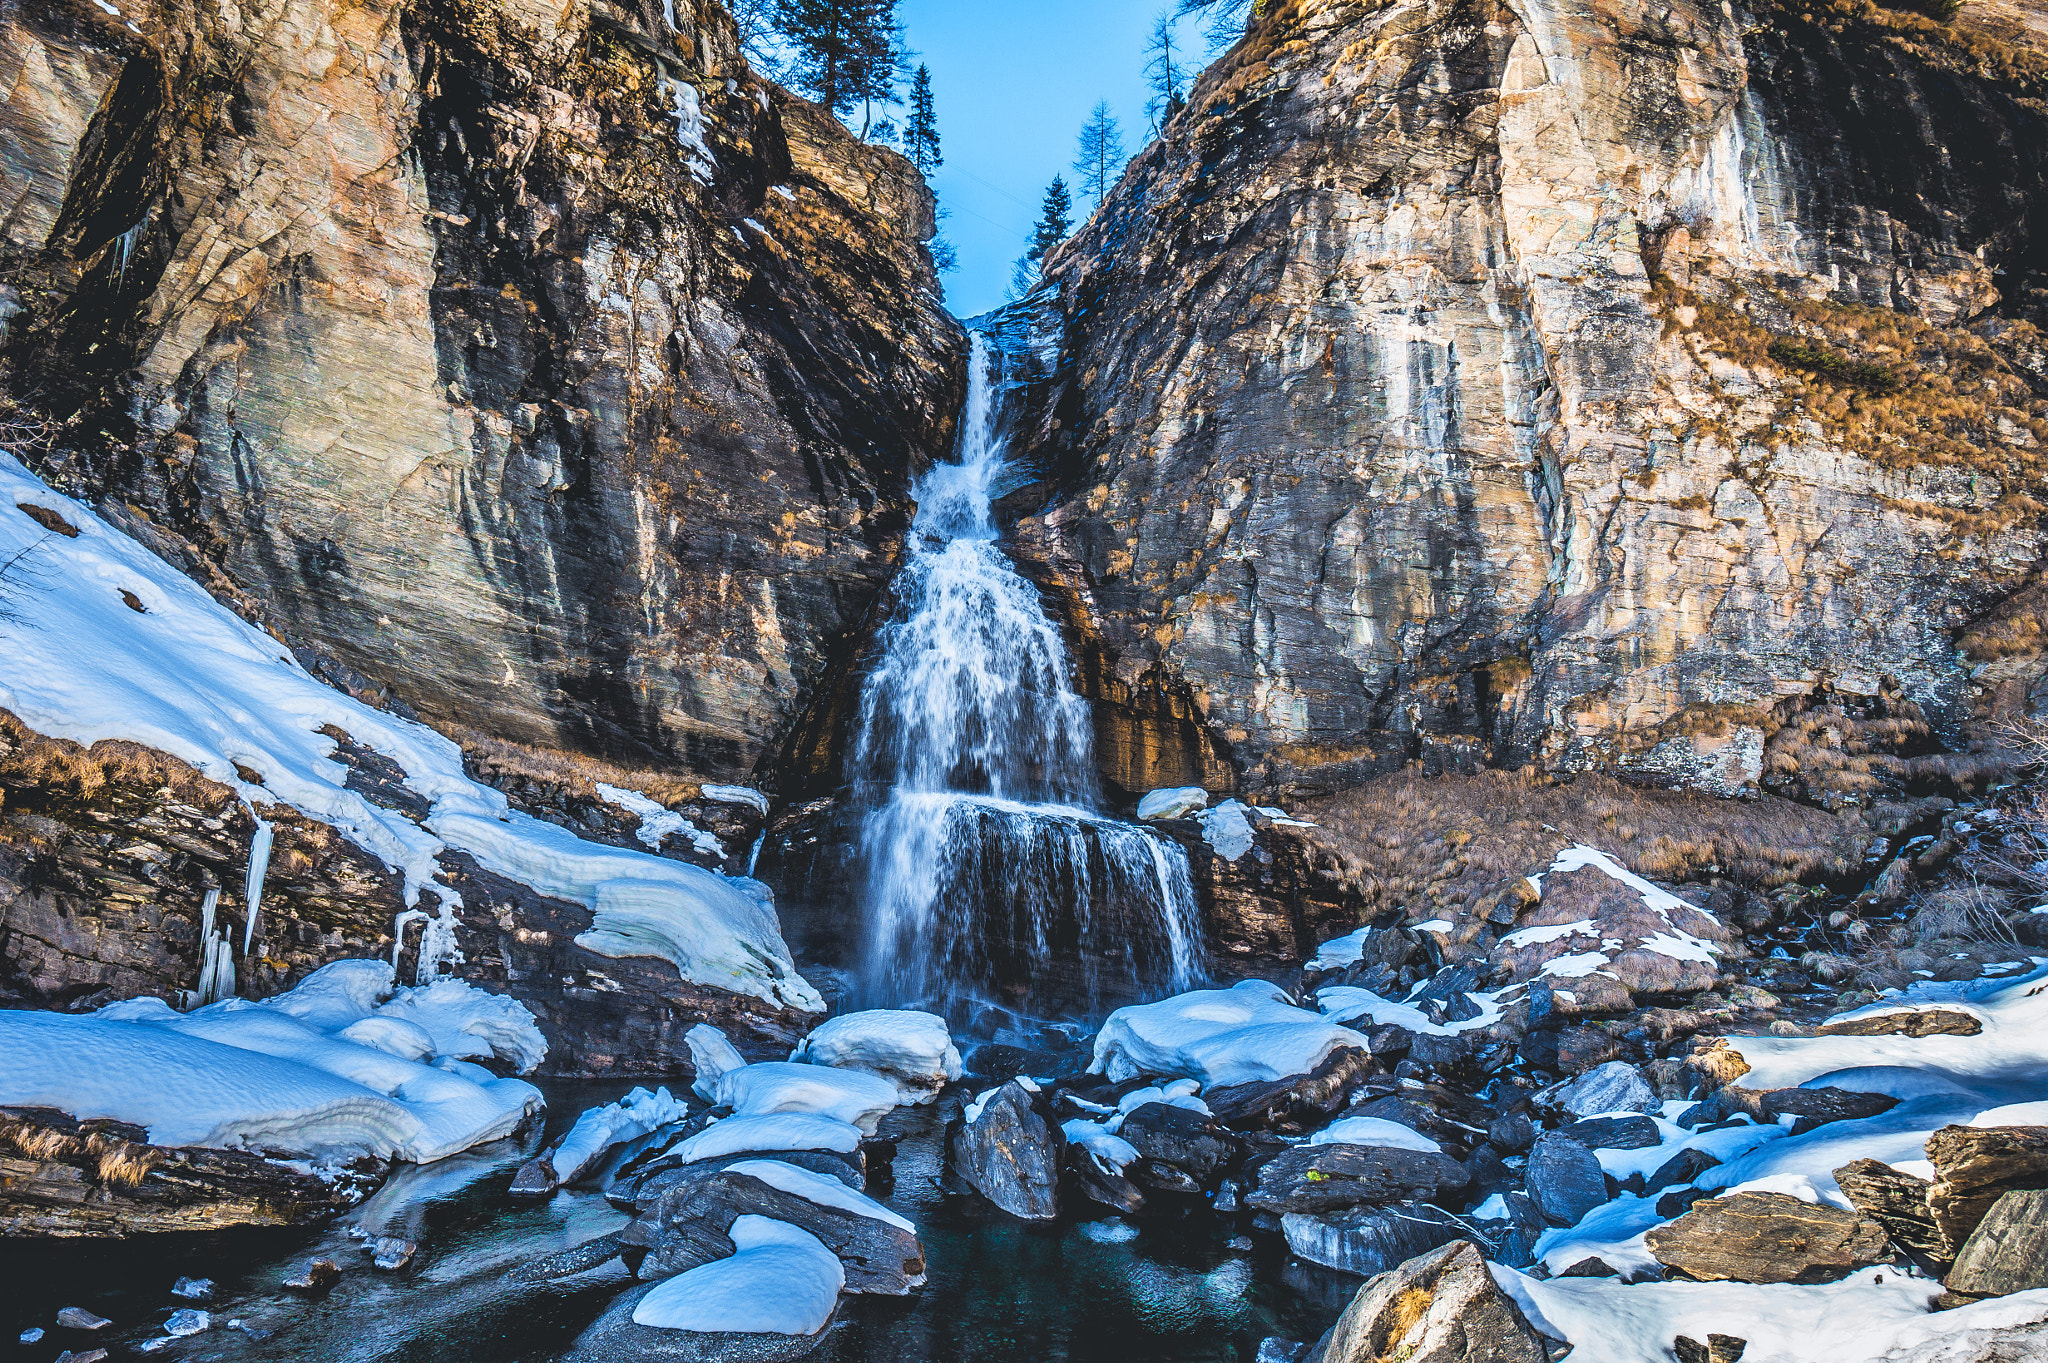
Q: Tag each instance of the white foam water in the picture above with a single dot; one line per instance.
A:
(988, 858)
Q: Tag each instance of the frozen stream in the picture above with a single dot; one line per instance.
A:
(1000, 1289)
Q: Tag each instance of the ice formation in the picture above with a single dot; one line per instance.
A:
(779, 1131)
(601, 1128)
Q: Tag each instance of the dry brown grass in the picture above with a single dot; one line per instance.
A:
(1440, 843)
(1954, 400)
(71, 769)
(495, 758)
(115, 1161)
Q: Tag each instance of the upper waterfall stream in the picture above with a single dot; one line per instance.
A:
(989, 862)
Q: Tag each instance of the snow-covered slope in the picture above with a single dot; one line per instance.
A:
(179, 672)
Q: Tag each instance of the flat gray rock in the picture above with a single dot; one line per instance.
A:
(2008, 1252)
(1767, 1238)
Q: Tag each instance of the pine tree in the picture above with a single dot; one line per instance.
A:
(1055, 220)
(1099, 156)
(1228, 19)
(921, 133)
(1164, 72)
(845, 53)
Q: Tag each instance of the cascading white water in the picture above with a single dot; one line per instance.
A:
(987, 856)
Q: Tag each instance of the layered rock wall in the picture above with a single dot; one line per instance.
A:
(536, 365)
(1641, 388)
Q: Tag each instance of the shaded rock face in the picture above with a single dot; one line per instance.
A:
(1451, 382)
(538, 365)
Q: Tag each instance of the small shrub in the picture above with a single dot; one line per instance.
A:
(1832, 365)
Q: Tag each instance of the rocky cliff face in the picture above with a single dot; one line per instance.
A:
(1643, 388)
(535, 365)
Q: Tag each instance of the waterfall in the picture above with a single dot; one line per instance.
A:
(990, 867)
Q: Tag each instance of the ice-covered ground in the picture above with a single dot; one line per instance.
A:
(283, 1077)
(185, 675)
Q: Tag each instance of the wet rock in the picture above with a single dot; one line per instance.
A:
(1299, 1103)
(1512, 1133)
(1614, 1133)
(1107, 1187)
(1592, 1266)
(87, 1356)
(1273, 1349)
(1974, 1167)
(691, 1225)
(1011, 1155)
(1564, 1179)
(392, 1253)
(1812, 1107)
(78, 1318)
(1897, 1201)
(1616, 1086)
(617, 1338)
(1439, 1307)
(1717, 1349)
(1324, 1178)
(1369, 1240)
(1680, 1201)
(193, 1289)
(1767, 1238)
(188, 1322)
(1181, 1139)
(316, 1278)
(1914, 1022)
(2008, 1251)
(536, 1179)
(643, 1191)
(61, 1177)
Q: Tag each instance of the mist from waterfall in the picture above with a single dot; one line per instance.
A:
(989, 864)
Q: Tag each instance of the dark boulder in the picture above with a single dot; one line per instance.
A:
(692, 1221)
(1182, 1139)
(1324, 1178)
(1298, 1103)
(1810, 1108)
(1564, 1179)
(1513, 1132)
(1717, 1349)
(1010, 1154)
(1767, 1238)
(1615, 1133)
(1369, 1240)
(1681, 1169)
(1439, 1307)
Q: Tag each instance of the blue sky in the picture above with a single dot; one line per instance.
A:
(1012, 83)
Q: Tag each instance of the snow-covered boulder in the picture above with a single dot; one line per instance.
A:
(1245, 1034)
(268, 1077)
(598, 1131)
(1173, 802)
(778, 1131)
(852, 1096)
(691, 1223)
(911, 1049)
(712, 1055)
(1601, 925)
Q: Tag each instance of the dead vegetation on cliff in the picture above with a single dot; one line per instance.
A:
(1441, 843)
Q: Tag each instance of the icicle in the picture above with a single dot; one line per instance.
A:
(438, 946)
(754, 857)
(252, 888)
(216, 964)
